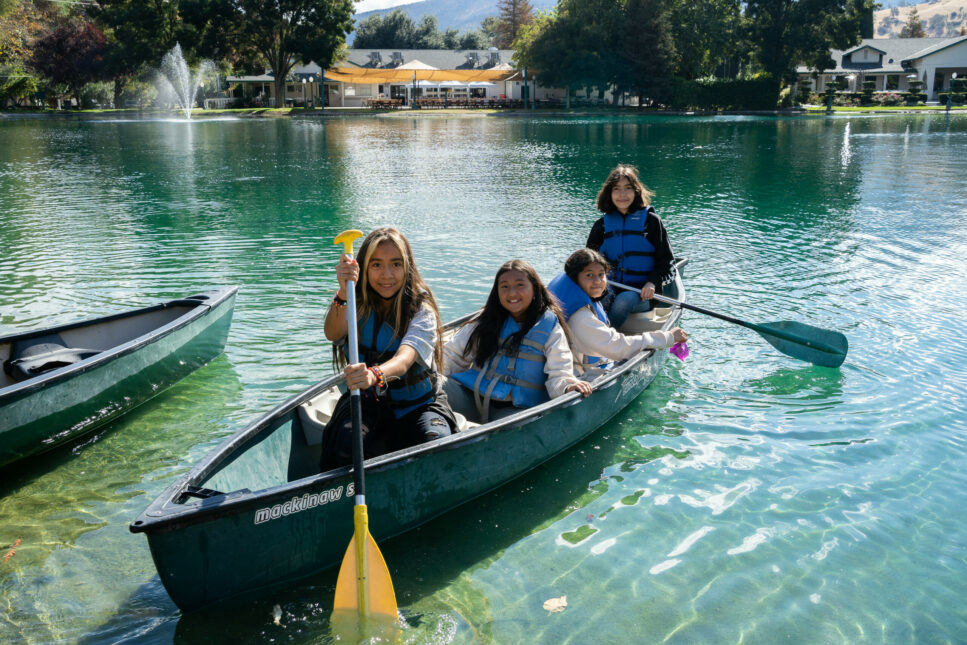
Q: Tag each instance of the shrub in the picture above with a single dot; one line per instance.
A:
(890, 98)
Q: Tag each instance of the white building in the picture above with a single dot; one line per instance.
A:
(893, 63)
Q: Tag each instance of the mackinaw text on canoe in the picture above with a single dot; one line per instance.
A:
(297, 504)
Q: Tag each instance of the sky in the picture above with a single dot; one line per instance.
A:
(370, 5)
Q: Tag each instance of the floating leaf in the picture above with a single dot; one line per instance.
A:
(13, 550)
(555, 605)
(580, 534)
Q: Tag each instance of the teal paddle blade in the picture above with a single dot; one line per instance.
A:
(805, 342)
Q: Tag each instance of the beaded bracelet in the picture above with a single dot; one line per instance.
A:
(380, 379)
(337, 301)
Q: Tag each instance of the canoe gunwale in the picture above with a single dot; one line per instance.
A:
(214, 298)
(166, 514)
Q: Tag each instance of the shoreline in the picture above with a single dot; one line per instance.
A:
(336, 112)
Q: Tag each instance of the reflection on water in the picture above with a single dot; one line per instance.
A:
(744, 495)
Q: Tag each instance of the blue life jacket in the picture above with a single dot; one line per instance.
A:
(571, 298)
(414, 389)
(625, 246)
(516, 377)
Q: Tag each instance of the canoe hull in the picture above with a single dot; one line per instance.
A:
(261, 541)
(71, 402)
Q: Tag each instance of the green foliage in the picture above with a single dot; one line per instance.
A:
(646, 50)
(489, 27)
(427, 34)
(474, 39)
(706, 33)
(755, 94)
(6, 6)
(396, 30)
(16, 84)
(785, 33)
(97, 94)
(914, 95)
(138, 32)
(575, 45)
(281, 32)
(139, 92)
(866, 97)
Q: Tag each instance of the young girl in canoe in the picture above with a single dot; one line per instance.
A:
(515, 353)
(632, 238)
(400, 343)
(580, 290)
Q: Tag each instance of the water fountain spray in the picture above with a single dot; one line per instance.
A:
(178, 82)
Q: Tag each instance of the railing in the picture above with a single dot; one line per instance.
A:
(472, 103)
(384, 104)
(219, 103)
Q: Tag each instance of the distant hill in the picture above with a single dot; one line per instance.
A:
(940, 19)
(462, 15)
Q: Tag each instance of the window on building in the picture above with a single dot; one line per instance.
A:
(892, 81)
(359, 90)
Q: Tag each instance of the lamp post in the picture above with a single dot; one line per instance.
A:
(413, 93)
(829, 94)
(950, 90)
(312, 95)
(523, 89)
(303, 93)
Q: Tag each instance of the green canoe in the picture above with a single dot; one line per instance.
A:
(257, 514)
(59, 383)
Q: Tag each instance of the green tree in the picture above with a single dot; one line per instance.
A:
(489, 27)
(784, 33)
(283, 32)
(427, 34)
(647, 50)
(16, 84)
(706, 33)
(6, 6)
(914, 26)
(474, 39)
(512, 16)
(394, 30)
(574, 45)
(139, 32)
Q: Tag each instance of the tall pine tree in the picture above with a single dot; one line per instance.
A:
(647, 51)
(513, 15)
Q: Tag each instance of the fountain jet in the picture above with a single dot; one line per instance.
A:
(178, 82)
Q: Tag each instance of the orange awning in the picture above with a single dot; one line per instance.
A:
(358, 75)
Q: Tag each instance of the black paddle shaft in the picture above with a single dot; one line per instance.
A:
(713, 314)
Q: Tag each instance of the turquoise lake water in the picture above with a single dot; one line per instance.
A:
(744, 498)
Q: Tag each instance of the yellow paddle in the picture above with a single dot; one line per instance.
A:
(364, 587)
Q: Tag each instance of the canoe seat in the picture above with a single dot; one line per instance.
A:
(35, 356)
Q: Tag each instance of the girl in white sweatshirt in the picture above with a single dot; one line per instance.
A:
(595, 342)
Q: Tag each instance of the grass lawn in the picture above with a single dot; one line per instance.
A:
(887, 108)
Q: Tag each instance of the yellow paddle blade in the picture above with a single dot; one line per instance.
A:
(364, 584)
